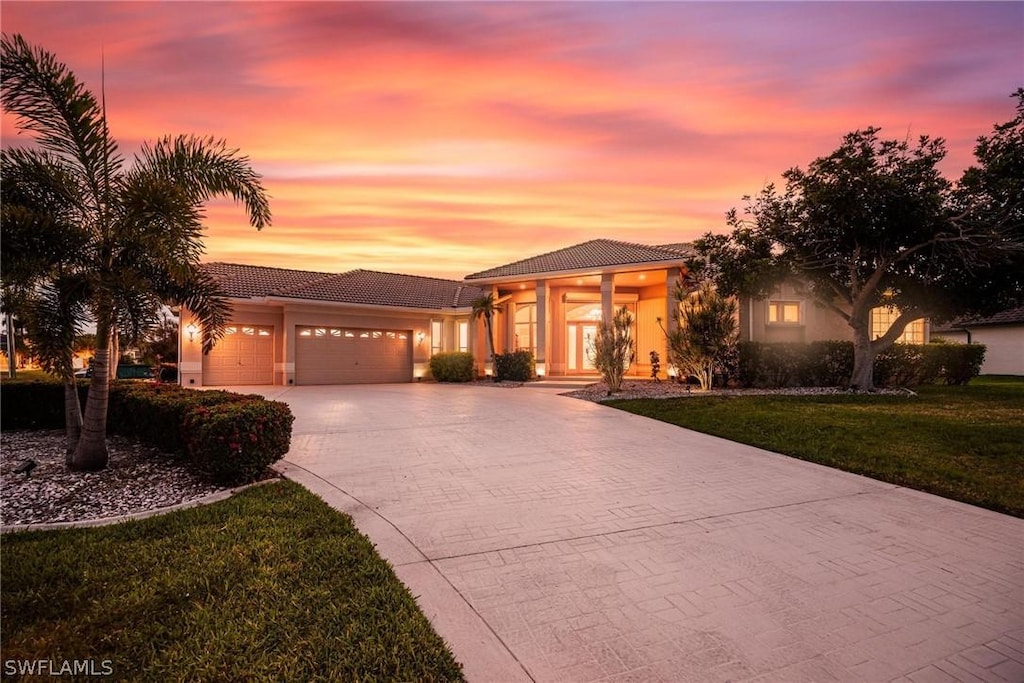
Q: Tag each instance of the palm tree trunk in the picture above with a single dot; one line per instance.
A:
(115, 352)
(91, 452)
(72, 419)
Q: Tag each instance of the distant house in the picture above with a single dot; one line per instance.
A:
(1003, 337)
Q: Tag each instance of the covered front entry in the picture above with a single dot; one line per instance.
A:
(244, 355)
(341, 355)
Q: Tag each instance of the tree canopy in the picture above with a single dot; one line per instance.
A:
(875, 223)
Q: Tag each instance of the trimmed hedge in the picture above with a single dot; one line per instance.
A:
(515, 366)
(228, 437)
(830, 364)
(455, 366)
(236, 441)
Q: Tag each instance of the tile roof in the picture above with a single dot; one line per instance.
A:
(1012, 316)
(354, 287)
(388, 289)
(590, 255)
(243, 281)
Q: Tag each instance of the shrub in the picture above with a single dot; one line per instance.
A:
(957, 363)
(456, 366)
(705, 334)
(36, 405)
(515, 366)
(172, 419)
(613, 348)
(826, 364)
(235, 442)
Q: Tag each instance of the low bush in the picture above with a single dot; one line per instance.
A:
(830, 363)
(228, 437)
(234, 442)
(515, 366)
(958, 363)
(456, 366)
(36, 405)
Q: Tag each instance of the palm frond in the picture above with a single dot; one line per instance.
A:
(207, 168)
(51, 102)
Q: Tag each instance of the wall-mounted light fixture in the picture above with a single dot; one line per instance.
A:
(191, 329)
(420, 336)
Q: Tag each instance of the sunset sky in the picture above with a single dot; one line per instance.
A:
(445, 138)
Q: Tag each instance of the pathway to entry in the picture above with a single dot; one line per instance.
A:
(552, 539)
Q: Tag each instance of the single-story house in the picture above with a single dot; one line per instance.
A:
(1003, 337)
(363, 326)
(299, 327)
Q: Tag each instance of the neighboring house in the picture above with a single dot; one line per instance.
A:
(789, 315)
(1003, 337)
(300, 327)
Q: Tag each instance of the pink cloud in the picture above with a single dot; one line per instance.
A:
(441, 138)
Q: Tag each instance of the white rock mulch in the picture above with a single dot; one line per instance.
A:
(138, 478)
(598, 391)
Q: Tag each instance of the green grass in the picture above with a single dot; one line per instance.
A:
(965, 443)
(27, 376)
(269, 585)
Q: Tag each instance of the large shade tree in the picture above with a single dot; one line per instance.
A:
(875, 224)
(86, 235)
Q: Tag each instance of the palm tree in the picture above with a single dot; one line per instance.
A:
(136, 232)
(486, 308)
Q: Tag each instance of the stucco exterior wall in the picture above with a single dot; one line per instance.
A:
(1004, 347)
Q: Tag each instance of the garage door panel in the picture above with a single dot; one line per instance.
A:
(244, 355)
(325, 355)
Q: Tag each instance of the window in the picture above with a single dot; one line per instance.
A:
(882, 319)
(463, 329)
(526, 327)
(436, 342)
(784, 312)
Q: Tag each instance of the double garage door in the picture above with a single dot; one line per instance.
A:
(342, 355)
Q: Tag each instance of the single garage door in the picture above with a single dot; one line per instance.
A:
(340, 355)
(244, 355)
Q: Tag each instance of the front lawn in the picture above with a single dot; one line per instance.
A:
(965, 443)
(269, 585)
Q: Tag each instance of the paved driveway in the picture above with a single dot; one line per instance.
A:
(553, 539)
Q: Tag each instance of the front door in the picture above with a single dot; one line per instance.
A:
(580, 346)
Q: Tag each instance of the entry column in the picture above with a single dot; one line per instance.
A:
(607, 297)
(542, 326)
(671, 306)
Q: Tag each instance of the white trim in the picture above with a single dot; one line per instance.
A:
(363, 307)
(284, 367)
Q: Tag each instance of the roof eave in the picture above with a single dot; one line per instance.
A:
(284, 300)
(578, 272)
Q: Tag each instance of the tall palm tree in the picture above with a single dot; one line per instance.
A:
(137, 230)
(485, 307)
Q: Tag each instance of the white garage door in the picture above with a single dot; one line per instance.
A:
(244, 355)
(339, 355)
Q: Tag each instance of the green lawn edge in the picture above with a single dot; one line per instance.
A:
(271, 584)
(964, 443)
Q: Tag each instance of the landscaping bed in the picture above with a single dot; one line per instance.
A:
(269, 585)
(139, 478)
(961, 442)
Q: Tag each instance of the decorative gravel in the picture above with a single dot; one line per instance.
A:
(137, 478)
(598, 391)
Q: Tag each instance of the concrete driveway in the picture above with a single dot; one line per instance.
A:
(552, 539)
